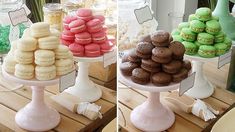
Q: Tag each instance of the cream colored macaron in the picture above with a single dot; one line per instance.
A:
(62, 52)
(27, 44)
(64, 66)
(24, 57)
(55, 32)
(24, 71)
(13, 47)
(26, 33)
(44, 57)
(45, 72)
(50, 42)
(40, 29)
(9, 64)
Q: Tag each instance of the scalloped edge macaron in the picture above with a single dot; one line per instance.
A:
(77, 26)
(92, 50)
(94, 26)
(67, 20)
(84, 14)
(77, 49)
(83, 38)
(207, 51)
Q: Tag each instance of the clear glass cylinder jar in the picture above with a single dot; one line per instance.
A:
(53, 15)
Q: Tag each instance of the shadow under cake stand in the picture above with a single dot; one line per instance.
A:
(152, 115)
(202, 87)
(36, 115)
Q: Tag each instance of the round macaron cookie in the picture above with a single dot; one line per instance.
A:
(24, 71)
(207, 51)
(161, 79)
(23, 57)
(66, 42)
(203, 14)
(228, 42)
(221, 48)
(133, 56)
(190, 48)
(94, 26)
(55, 32)
(173, 67)
(219, 37)
(67, 35)
(140, 76)
(161, 55)
(45, 72)
(160, 38)
(213, 27)
(197, 26)
(177, 49)
(144, 50)
(187, 64)
(67, 20)
(175, 32)
(40, 29)
(127, 67)
(64, 66)
(215, 18)
(83, 38)
(92, 50)
(50, 42)
(181, 75)
(84, 14)
(77, 49)
(150, 65)
(9, 64)
(62, 52)
(205, 38)
(183, 25)
(44, 57)
(192, 17)
(187, 34)
(27, 44)
(77, 26)
(177, 38)
(106, 47)
(99, 37)
(100, 17)
(197, 44)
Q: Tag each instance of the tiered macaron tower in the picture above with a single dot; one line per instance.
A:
(38, 54)
(85, 34)
(156, 59)
(202, 35)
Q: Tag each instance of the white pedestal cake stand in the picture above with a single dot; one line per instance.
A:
(202, 87)
(151, 115)
(84, 88)
(36, 116)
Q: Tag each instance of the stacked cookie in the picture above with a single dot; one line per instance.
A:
(156, 59)
(38, 54)
(202, 35)
(85, 35)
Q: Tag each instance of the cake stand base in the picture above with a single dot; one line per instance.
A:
(152, 115)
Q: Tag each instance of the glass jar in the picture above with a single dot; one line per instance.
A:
(72, 6)
(53, 15)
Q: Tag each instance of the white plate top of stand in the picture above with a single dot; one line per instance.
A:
(32, 82)
(88, 59)
(148, 87)
(201, 59)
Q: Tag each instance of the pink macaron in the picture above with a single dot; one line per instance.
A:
(77, 26)
(66, 42)
(67, 20)
(83, 38)
(99, 37)
(84, 14)
(92, 50)
(106, 47)
(94, 26)
(77, 49)
(67, 35)
(101, 18)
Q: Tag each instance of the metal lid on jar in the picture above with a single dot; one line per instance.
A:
(52, 7)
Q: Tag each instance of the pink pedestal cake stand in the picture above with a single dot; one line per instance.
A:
(35, 116)
(151, 115)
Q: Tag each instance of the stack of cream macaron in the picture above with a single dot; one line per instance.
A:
(38, 54)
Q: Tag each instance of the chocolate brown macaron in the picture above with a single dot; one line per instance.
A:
(127, 68)
(146, 38)
(181, 75)
(140, 76)
(187, 64)
(173, 67)
(161, 79)
(161, 55)
(150, 65)
(160, 38)
(144, 50)
(177, 49)
(133, 56)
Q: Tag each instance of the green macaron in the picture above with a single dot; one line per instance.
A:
(213, 27)
(177, 38)
(219, 37)
(203, 14)
(192, 17)
(187, 34)
(215, 18)
(198, 44)
(175, 32)
(190, 48)
(228, 42)
(221, 48)
(205, 38)
(207, 51)
(197, 26)
(183, 25)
